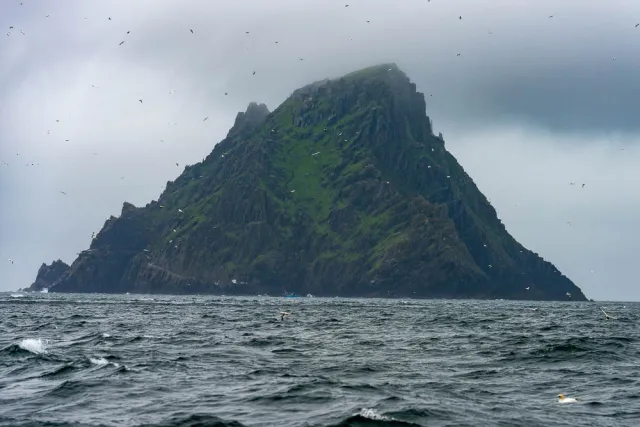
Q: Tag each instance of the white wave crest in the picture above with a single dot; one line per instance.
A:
(100, 361)
(373, 415)
(34, 345)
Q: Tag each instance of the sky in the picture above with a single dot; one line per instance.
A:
(530, 96)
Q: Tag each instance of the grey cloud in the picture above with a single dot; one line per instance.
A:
(544, 87)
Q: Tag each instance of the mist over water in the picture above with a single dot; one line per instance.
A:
(133, 360)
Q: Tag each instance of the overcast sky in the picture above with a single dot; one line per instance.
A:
(532, 104)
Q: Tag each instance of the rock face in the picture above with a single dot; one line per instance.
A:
(342, 190)
(49, 275)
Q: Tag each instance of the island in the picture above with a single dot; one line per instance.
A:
(343, 190)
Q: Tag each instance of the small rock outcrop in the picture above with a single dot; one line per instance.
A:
(49, 275)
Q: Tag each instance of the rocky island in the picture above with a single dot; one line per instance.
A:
(343, 190)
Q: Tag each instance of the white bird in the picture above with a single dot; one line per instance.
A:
(606, 316)
(527, 288)
(284, 313)
(563, 399)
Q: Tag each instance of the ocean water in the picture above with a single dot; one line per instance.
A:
(132, 360)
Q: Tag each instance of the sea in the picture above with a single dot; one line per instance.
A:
(147, 360)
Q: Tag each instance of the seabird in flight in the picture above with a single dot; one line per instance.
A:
(284, 313)
(606, 315)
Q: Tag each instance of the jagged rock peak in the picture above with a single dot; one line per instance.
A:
(127, 207)
(253, 117)
(256, 112)
(49, 274)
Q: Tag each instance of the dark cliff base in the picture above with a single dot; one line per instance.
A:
(343, 190)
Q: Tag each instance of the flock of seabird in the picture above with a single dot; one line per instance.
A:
(283, 314)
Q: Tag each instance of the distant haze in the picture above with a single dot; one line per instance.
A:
(530, 105)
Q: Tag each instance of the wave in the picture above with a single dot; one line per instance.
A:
(100, 361)
(184, 369)
(369, 417)
(34, 345)
(194, 420)
(28, 345)
(64, 369)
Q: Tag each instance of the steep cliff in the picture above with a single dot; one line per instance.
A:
(342, 190)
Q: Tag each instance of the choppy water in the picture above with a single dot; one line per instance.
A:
(187, 361)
